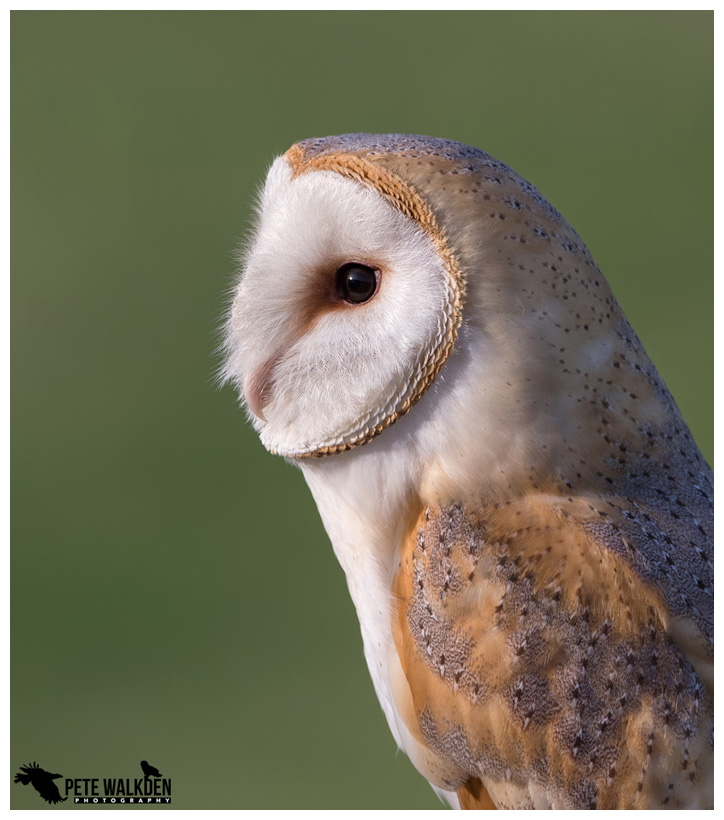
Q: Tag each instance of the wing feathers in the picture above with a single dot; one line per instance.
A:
(541, 661)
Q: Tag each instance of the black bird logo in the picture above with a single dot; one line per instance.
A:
(41, 781)
(150, 771)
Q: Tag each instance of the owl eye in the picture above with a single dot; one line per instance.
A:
(356, 283)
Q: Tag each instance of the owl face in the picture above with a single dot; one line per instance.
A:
(343, 314)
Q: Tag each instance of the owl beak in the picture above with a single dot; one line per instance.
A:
(258, 388)
(254, 395)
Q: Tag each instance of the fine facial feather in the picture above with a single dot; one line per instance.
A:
(548, 407)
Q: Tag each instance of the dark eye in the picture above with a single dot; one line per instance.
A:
(356, 283)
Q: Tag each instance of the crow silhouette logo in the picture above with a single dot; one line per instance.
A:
(150, 771)
(41, 781)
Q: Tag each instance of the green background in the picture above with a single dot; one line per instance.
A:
(174, 595)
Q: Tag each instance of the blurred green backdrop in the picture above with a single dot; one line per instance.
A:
(175, 597)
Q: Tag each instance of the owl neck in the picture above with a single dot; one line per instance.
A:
(366, 498)
(497, 424)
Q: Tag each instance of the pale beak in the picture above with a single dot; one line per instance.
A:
(258, 388)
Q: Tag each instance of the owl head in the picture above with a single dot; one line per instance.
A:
(394, 277)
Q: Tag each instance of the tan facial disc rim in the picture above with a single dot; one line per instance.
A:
(405, 199)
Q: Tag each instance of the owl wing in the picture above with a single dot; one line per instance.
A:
(544, 660)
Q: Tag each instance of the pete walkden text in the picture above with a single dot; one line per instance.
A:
(119, 790)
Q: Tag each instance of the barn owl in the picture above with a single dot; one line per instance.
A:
(523, 517)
